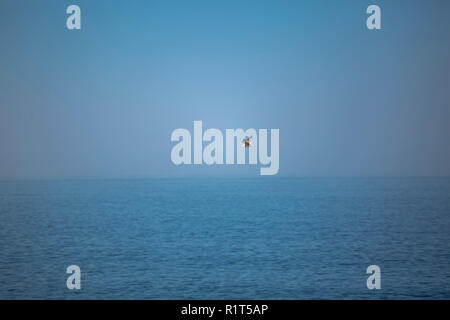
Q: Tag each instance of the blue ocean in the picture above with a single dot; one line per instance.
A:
(226, 238)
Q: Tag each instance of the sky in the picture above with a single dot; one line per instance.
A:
(103, 101)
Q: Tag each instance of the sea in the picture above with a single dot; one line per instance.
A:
(225, 238)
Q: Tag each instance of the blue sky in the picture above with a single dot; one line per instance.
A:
(103, 101)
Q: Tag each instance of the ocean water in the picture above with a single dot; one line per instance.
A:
(226, 238)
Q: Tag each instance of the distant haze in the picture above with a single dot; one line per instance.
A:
(103, 101)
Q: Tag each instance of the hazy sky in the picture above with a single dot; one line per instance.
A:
(103, 101)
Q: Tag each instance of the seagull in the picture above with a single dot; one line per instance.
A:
(247, 143)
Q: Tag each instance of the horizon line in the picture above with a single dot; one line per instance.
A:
(171, 177)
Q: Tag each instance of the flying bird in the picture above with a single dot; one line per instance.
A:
(247, 143)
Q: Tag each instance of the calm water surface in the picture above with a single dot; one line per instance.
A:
(276, 238)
